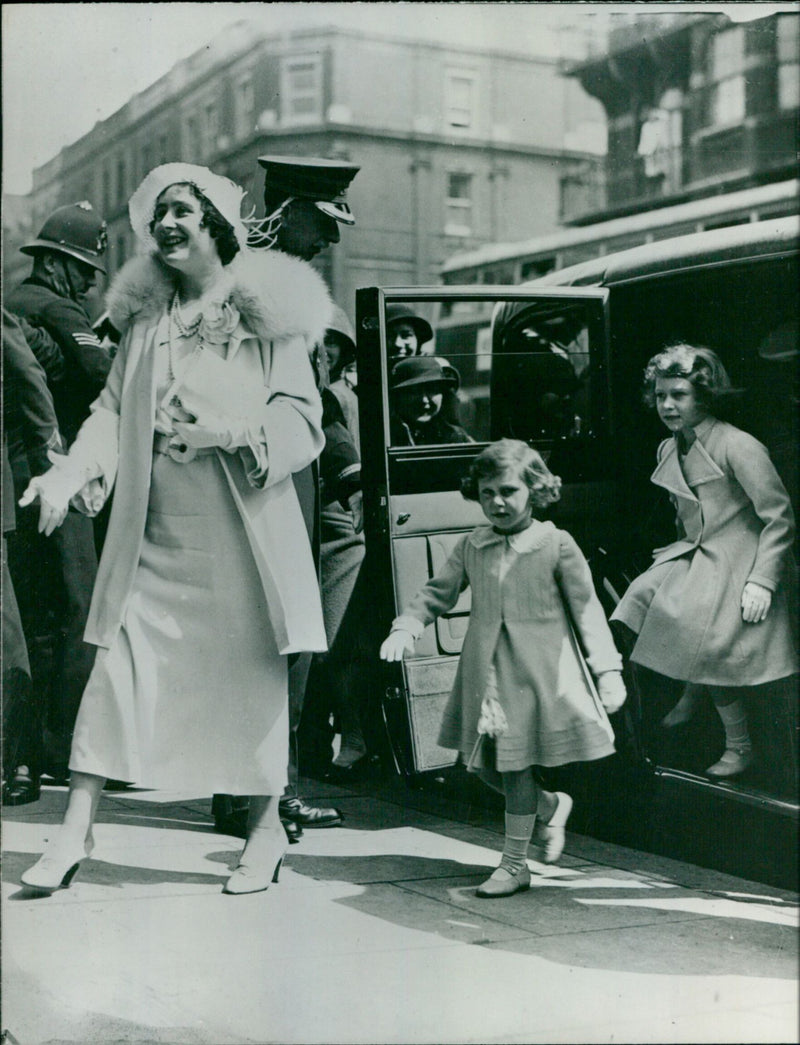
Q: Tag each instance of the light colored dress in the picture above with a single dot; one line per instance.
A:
(537, 635)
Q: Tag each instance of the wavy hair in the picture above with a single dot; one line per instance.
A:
(513, 455)
(696, 364)
(219, 228)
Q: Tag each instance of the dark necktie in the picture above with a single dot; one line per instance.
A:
(684, 438)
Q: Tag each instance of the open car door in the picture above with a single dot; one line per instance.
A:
(522, 364)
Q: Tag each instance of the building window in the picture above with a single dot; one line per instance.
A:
(210, 129)
(243, 107)
(301, 90)
(458, 207)
(788, 37)
(727, 73)
(162, 148)
(460, 99)
(147, 159)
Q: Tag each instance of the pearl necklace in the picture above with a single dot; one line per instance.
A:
(185, 331)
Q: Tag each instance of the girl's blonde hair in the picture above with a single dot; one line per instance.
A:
(515, 455)
(700, 366)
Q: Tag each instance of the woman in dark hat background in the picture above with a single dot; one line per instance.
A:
(340, 352)
(406, 332)
(423, 392)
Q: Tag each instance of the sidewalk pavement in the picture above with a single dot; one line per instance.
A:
(374, 935)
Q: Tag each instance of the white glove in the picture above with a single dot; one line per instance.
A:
(612, 690)
(54, 490)
(397, 643)
(228, 433)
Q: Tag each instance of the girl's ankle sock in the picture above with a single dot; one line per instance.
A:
(518, 835)
(734, 719)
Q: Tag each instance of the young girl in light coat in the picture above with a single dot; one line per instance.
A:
(713, 608)
(537, 640)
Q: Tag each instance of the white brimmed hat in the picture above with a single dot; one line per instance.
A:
(225, 194)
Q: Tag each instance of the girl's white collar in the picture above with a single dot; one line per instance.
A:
(527, 540)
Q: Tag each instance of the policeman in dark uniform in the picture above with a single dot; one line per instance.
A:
(54, 576)
(304, 200)
(29, 398)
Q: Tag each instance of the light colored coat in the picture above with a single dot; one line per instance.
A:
(284, 308)
(536, 617)
(739, 527)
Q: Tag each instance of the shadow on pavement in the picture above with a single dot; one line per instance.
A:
(114, 875)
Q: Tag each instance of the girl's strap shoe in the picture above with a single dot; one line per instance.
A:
(504, 883)
(552, 834)
(733, 762)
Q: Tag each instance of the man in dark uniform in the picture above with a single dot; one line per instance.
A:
(27, 394)
(304, 199)
(55, 575)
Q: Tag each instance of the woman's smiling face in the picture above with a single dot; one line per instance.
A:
(178, 228)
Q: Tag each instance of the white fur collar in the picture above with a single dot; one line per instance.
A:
(277, 296)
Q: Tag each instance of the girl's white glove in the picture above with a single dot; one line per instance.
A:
(54, 490)
(396, 644)
(612, 690)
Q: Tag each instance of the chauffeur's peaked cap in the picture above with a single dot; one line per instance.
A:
(322, 181)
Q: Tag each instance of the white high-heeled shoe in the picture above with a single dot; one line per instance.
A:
(57, 866)
(246, 879)
(250, 877)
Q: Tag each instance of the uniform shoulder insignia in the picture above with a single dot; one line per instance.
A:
(86, 337)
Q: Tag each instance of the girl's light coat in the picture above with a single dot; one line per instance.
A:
(738, 527)
(536, 623)
(284, 308)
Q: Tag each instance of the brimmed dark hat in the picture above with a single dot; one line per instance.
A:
(340, 325)
(421, 326)
(75, 230)
(324, 182)
(422, 370)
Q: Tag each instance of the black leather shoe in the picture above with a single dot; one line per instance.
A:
(295, 809)
(22, 788)
(294, 832)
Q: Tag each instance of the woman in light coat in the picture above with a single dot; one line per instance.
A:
(713, 609)
(207, 580)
